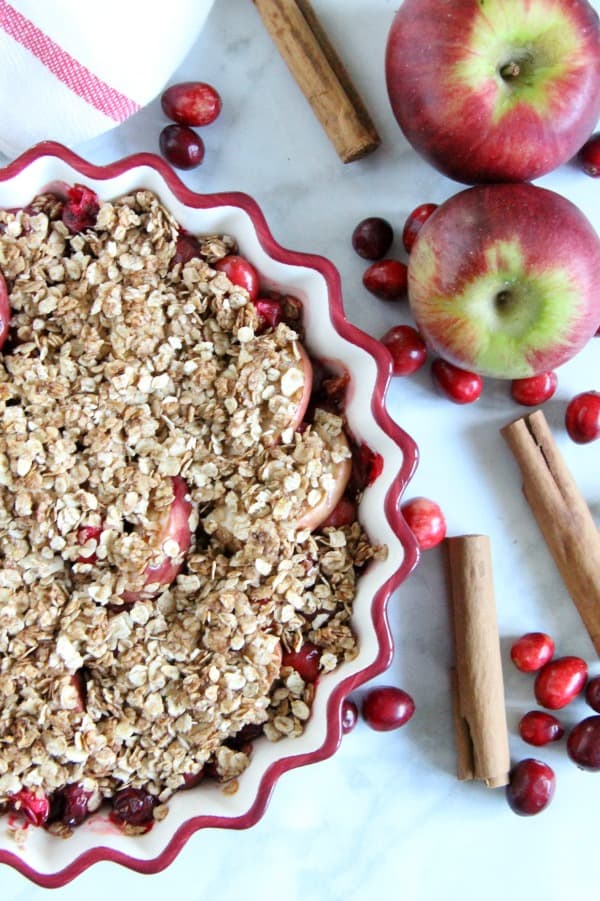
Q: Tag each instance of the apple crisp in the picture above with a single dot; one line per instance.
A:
(163, 488)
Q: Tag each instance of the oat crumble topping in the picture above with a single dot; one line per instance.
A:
(126, 371)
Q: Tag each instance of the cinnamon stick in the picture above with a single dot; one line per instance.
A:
(562, 514)
(477, 683)
(321, 75)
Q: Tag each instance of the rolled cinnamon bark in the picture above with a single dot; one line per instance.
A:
(477, 682)
(562, 514)
(321, 75)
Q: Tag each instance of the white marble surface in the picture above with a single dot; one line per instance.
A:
(386, 815)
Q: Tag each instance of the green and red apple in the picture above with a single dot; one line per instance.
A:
(504, 280)
(495, 90)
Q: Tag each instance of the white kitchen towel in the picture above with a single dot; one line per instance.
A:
(73, 69)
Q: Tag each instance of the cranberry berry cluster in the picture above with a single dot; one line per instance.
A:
(558, 682)
(189, 105)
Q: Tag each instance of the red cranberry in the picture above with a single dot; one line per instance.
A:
(191, 780)
(85, 534)
(35, 808)
(583, 744)
(181, 146)
(305, 661)
(4, 312)
(589, 156)
(386, 279)
(132, 807)
(531, 787)
(372, 238)
(270, 311)
(367, 466)
(459, 385)
(592, 693)
(426, 521)
(191, 103)
(414, 223)
(187, 247)
(385, 708)
(239, 271)
(343, 514)
(536, 389)
(407, 348)
(531, 651)
(560, 681)
(349, 716)
(539, 728)
(582, 417)
(71, 804)
(80, 209)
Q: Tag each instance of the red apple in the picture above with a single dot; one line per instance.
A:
(503, 280)
(495, 91)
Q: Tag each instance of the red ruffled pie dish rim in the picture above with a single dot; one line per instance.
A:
(409, 457)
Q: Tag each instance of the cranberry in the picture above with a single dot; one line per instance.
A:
(372, 238)
(239, 271)
(589, 156)
(425, 520)
(385, 708)
(582, 417)
(583, 744)
(35, 808)
(343, 514)
(4, 312)
(80, 209)
(349, 716)
(187, 248)
(70, 805)
(243, 739)
(386, 279)
(305, 661)
(367, 466)
(132, 807)
(534, 390)
(592, 693)
(191, 103)
(531, 787)
(407, 348)
(531, 651)
(270, 311)
(414, 223)
(181, 146)
(85, 534)
(79, 681)
(459, 385)
(560, 681)
(191, 780)
(539, 728)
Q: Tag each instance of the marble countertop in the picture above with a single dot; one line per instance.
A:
(386, 815)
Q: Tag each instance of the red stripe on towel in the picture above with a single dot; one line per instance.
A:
(65, 67)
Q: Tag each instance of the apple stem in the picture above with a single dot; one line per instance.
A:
(510, 70)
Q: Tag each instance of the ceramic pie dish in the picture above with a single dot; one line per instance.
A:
(52, 861)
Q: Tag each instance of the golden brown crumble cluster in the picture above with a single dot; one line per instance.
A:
(126, 371)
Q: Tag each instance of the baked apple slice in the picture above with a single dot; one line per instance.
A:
(174, 539)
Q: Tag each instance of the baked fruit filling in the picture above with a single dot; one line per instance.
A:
(179, 545)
